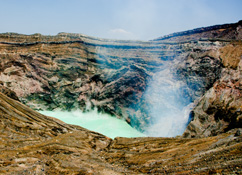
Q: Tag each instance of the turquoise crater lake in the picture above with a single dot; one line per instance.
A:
(102, 123)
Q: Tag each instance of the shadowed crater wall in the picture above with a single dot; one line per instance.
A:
(129, 79)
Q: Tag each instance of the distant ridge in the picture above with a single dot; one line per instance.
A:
(218, 31)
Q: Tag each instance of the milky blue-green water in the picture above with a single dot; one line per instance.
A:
(102, 123)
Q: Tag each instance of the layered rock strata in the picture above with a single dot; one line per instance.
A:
(31, 143)
(220, 109)
(70, 71)
(224, 31)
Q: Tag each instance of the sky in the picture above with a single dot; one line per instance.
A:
(115, 19)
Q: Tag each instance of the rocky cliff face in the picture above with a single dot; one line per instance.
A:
(219, 110)
(70, 71)
(31, 143)
(126, 79)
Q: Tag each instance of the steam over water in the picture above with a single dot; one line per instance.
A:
(102, 123)
(163, 110)
(168, 107)
(164, 99)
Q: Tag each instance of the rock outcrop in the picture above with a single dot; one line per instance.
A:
(8, 92)
(220, 109)
(70, 71)
(31, 143)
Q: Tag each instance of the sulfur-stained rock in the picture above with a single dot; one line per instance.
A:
(231, 55)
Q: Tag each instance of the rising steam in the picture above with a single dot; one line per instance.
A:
(168, 107)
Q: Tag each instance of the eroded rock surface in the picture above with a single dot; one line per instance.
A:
(71, 71)
(219, 110)
(36, 144)
(31, 143)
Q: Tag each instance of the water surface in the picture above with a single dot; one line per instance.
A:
(102, 123)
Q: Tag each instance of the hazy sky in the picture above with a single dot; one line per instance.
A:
(119, 19)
